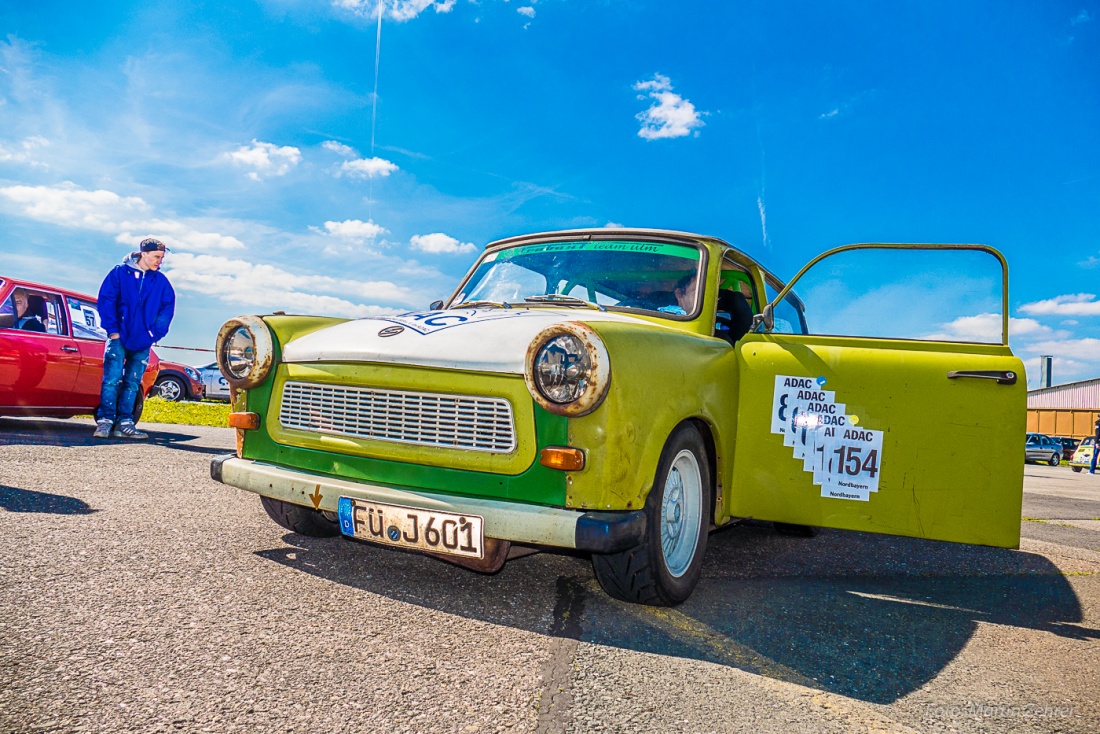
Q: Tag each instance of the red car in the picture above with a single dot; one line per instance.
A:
(51, 352)
(178, 381)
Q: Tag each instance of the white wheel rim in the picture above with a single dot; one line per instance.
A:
(169, 390)
(680, 513)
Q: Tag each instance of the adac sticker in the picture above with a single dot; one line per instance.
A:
(428, 322)
(843, 457)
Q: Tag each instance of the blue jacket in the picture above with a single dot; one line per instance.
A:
(136, 304)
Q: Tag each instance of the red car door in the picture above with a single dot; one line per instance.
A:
(90, 339)
(39, 369)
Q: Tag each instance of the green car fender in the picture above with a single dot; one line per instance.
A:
(660, 377)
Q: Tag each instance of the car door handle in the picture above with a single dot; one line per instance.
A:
(67, 348)
(1002, 378)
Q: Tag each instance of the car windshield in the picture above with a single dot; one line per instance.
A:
(620, 274)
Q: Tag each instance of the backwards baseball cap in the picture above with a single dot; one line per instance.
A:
(150, 244)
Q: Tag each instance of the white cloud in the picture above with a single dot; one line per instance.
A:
(831, 113)
(1082, 17)
(671, 116)
(1062, 371)
(527, 11)
(339, 148)
(440, 243)
(399, 10)
(613, 225)
(129, 218)
(368, 167)
(24, 152)
(1077, 304)
(986, 327)
(266, 159)
(268, 287)
(355, 230)
(1086, 349)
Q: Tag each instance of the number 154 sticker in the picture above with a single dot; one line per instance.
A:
(843, 456)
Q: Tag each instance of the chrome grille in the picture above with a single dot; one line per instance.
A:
(423, 419)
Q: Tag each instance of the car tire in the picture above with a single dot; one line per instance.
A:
(301, 520)
(170, 388)
(795, 531)
(664, 568)
(1076, 469)
(139, 405)
(1055, 460)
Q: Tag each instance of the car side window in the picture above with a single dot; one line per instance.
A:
(84, 316)
(737, 302)
(33, 311)
(790, 317)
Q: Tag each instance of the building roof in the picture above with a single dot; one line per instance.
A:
(1081, 395)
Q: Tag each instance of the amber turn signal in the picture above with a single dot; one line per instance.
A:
(247, 421)
(562, 457)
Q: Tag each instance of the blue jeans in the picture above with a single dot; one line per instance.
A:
(1092, 461)
(122, 372)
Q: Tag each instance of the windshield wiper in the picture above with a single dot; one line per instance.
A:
(479, 304)
(564, 300)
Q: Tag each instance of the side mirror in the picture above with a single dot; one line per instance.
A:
(767, 319)
(435, 305)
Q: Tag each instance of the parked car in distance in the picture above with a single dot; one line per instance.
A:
(620, 392)
(1082, 457)
(178, 382)
(53, 365)
(1041, 447)
(1069, 445)
(215, 385)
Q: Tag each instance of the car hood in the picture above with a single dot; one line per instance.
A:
(479, 340)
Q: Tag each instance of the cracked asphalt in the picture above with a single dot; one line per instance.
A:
(138, 595)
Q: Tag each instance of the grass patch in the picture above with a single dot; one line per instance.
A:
(185, 413)
(1034, 519)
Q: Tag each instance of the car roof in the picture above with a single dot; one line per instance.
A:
(46, 287)
(634, 233)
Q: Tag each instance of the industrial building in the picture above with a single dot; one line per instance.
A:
(1064, 410)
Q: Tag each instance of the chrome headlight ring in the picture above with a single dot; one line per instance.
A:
(245, 351)
(567, 369)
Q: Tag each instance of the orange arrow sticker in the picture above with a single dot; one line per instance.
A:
(316, 497)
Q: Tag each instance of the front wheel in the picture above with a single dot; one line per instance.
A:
(301, 520)
(1055, 460)
(170, 388)
(664, 568)
(1076, 469)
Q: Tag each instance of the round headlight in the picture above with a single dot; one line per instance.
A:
(567, 369)
(240, 352)
(245, 351)
(563, 370)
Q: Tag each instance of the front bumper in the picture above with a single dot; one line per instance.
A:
(597, 532)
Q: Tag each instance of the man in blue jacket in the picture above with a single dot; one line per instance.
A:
(136, 304)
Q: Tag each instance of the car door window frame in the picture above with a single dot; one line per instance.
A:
(766, 321)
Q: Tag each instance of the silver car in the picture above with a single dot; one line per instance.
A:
(217, 387)
(1041, 447)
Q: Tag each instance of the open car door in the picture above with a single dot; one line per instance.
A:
(921, 437)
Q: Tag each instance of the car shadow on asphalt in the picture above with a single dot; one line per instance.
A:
(867, 616)
(14, 499)
(61, 432)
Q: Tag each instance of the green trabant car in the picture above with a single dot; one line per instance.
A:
(619, 392)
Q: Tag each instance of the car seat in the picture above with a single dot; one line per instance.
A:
(36, 307)
(734, 317)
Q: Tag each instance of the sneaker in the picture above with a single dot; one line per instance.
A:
(128, 430)
(102, 430)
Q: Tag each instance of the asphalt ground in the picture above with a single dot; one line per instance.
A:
(136, 594)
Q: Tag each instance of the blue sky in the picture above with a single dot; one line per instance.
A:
(241, 132)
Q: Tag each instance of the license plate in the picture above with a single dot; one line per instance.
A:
(409, 527)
